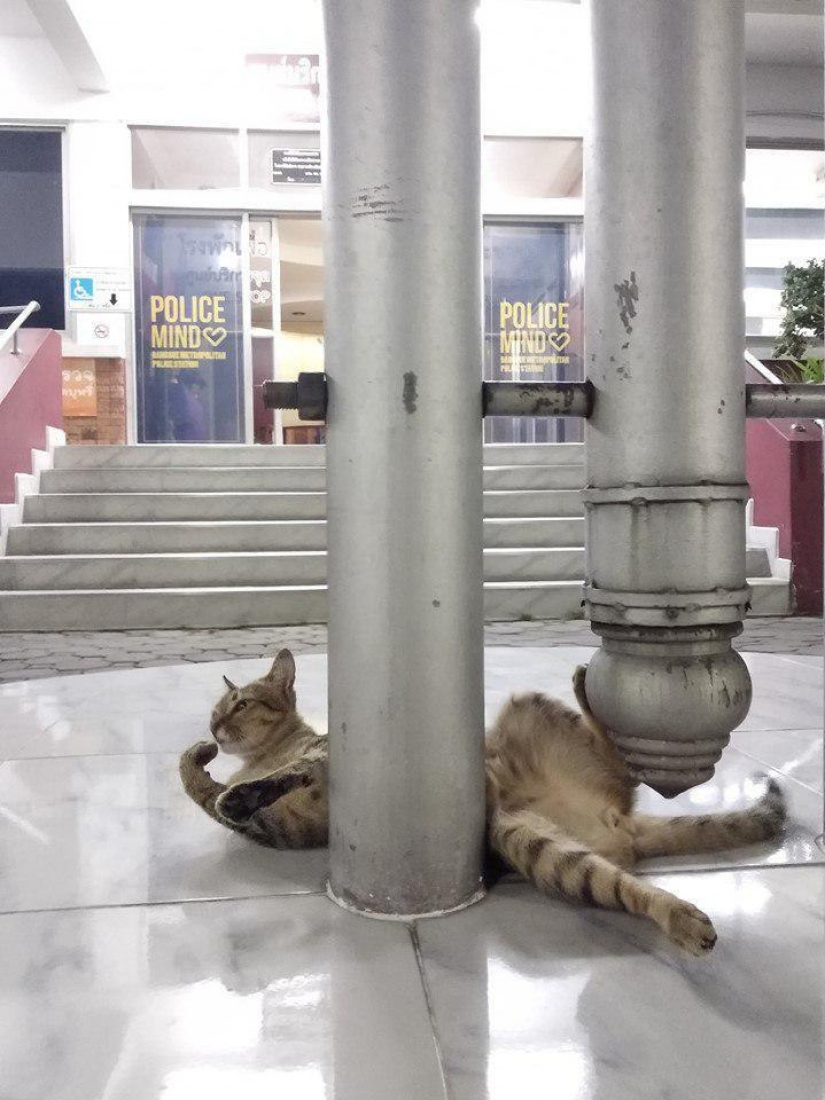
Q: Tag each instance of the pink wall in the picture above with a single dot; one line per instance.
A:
(31, 396)
(785, 476)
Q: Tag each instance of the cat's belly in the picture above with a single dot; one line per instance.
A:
(584, 815)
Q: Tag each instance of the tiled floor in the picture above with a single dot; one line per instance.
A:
(29, 656)
(147, 953)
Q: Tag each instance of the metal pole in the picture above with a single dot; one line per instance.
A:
(537, 399)
(801, 401)
(404, 452)
(664, 344)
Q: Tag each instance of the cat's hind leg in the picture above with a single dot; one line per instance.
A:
(690, 835)
(557, 863)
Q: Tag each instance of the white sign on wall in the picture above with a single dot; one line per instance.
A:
(99, 288)
(104, 330)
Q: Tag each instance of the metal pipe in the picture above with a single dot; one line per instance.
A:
(803, 401)
(23, 314)
(404, 452)
(665, 446)
(537, 399)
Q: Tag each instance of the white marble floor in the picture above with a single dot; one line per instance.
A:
(145, 952)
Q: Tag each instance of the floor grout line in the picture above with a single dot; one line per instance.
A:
(177, 751)
(99, 755)
(102, 906)
(428, 1001)
(774, 768)
(508, 880)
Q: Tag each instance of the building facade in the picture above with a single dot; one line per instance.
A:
(170, 219)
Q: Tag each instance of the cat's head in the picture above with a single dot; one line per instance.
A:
(248, 719)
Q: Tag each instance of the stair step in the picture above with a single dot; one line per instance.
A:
(149, 507)
(175, 536)
(230, 454)
(250, 536)
(176, 608)
(154, 455)
(224, 570)
(770, 596)
(757, 562)
(240, 479)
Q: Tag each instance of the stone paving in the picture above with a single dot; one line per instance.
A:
(33, 656)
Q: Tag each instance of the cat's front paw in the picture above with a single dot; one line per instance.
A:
(239, 803)
(691, 929)
(202, 753)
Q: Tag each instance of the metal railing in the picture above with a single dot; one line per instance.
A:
(23, 314)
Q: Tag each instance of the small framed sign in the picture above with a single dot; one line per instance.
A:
(296, 166)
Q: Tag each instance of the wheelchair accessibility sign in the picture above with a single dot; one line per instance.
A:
(99, 288)
(82, 290)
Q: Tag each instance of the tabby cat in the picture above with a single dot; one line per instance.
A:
(559, 799)
(279, 795)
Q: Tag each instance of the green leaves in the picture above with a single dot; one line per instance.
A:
(804, 322)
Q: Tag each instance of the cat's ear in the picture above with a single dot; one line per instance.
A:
(229, 684)
(282, 672)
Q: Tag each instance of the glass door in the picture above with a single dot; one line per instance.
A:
(189, 328)
(533, 320)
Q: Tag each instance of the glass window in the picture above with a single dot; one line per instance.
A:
(198, 160)
(533, 319)
(531, 168)
(785, 196)
(282, 157)
(31, 224)
(784, 178)
(188, 329)
(300, 345)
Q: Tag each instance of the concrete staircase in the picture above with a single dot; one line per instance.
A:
(222, 536)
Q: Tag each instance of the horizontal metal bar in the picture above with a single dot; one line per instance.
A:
(10, 333)
(308, 395)
(801, 401)
(537, 399)
(15, 309)
(280, 395)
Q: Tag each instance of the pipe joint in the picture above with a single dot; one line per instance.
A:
(689, 678)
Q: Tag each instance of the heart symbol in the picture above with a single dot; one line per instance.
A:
(559, 340)
(216, 336)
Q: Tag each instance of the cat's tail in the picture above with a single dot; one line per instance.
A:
(584, 705)
(558, 864)
(196, 780)
(671, 836)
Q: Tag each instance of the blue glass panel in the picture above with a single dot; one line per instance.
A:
(188, 329)
(533, 319)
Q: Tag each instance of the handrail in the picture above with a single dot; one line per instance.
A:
(23, 314)
(760, 368)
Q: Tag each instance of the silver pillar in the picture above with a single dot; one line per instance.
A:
(665, 329)
(403, 348)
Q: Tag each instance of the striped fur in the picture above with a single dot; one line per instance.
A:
(560, 812)
(560, 801)
(279, 797)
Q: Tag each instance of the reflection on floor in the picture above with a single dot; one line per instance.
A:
(145, 953)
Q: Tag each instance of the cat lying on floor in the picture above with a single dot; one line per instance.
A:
(559, 798)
